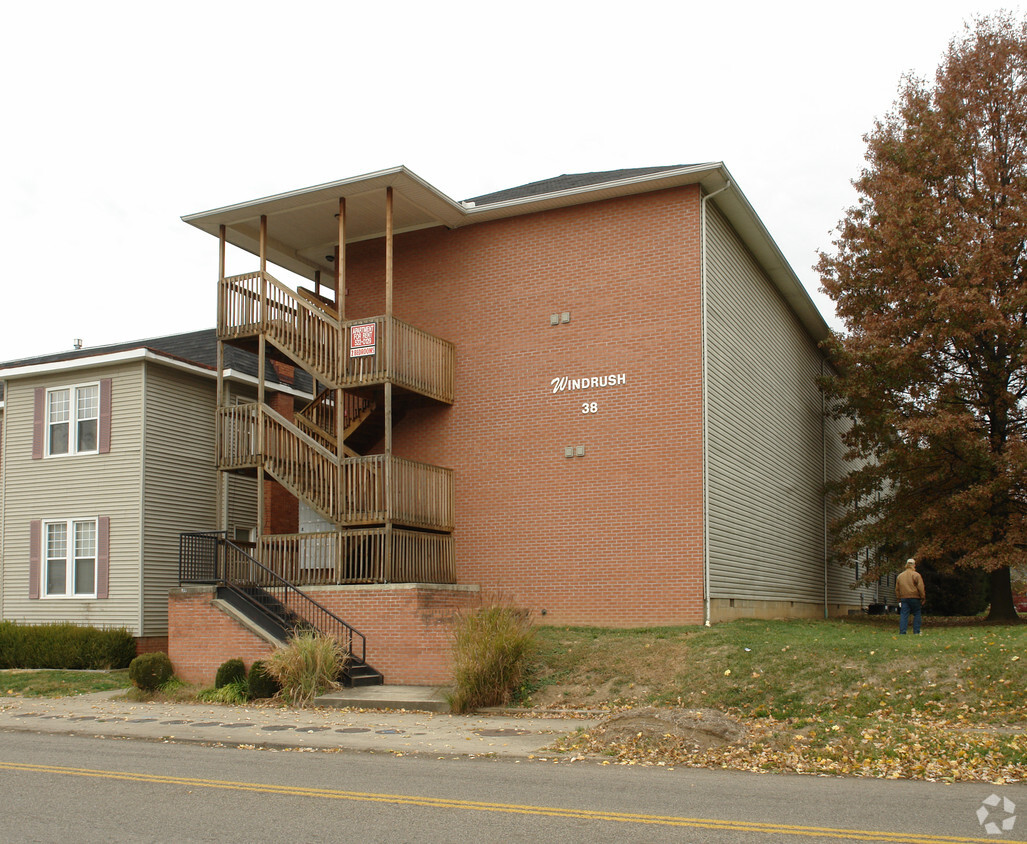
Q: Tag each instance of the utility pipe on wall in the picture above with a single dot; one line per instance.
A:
(705, 402)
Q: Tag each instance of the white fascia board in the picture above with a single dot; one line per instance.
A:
(739, 211)
(73, 363)
(448, 210)
(278, 387)
(141, 354)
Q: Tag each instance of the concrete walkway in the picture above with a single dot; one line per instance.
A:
(323, 728)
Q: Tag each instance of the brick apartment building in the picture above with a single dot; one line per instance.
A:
(595, 396)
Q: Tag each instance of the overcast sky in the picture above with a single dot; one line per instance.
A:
(118, 118)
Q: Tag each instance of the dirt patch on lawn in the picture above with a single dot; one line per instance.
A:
(695, 730)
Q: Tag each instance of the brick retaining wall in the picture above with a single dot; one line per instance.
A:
(407, 628)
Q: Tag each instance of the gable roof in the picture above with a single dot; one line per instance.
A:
(568, 181)
(304, 224)
(195, 347)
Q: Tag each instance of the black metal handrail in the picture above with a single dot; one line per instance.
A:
(210, 557)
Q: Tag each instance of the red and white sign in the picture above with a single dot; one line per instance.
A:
(361, 340)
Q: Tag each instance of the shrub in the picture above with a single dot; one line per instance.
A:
(63, 645)
(260, 684)
(230, 671)
(307, 666)
(234, 692)
(150, 671)
(490, 648)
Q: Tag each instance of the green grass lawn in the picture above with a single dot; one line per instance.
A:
(56, 683)
(848, 696)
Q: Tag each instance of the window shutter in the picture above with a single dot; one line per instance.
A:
(38, 423)
(104, 439)
(35, 540)
(103, 556)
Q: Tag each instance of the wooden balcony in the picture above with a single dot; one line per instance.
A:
(368, 490)
(362, 555)
(308, 333)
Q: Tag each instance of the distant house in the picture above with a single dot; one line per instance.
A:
(595, 395)
(106, 456)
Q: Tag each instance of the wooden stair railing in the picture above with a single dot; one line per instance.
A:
(304, 328)
(319, 301)
(352, 493)
(318, 418)
(267, 598)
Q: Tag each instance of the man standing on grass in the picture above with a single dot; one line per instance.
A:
(909, 589)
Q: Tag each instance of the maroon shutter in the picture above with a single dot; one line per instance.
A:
(38, 424)
(35, 541)
(103, 556)
(104, 437)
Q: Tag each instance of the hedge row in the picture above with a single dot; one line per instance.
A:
(64, 646)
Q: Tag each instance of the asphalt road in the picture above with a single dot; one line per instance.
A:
(75, 789)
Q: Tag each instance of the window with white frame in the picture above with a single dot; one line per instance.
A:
(70, 558)
(72, 419)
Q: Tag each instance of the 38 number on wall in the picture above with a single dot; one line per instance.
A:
(590, 407)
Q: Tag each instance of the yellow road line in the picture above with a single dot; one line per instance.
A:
(509, 808)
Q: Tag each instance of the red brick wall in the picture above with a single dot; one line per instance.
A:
(281, 508)
(614, 537)
(201, 636)
(408, 630)
(151, 644)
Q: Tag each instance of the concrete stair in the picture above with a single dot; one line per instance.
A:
(422, 698)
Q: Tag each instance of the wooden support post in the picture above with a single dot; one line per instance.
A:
(388, 251)
(335, 274)
(388, 418)
(340, 454)
(340, 263)
(263, 273)
(389, 480)
(317, 282)
(220, 520)
(263, 243)
(340, 396)
(261, 375)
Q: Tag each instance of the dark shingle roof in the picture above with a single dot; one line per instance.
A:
(567, 181)
(199, 347)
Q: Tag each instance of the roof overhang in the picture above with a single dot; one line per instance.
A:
(303, 225)
(137, 355)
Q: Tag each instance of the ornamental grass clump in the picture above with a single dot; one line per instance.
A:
(490, 648)
(307, 666)
(233, 693)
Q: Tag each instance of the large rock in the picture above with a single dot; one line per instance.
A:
(699, 729)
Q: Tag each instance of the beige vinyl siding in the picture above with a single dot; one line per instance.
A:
(766, 435)
(180, 479)
(74, 486)
(241, 501)
(3, 478)
(841, 579)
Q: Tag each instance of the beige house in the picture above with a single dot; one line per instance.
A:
(106, 456)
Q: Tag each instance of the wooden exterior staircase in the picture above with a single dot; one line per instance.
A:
(392, 517)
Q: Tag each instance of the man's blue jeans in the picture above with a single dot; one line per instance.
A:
(909, 605)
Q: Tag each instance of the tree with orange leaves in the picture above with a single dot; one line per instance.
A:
(929, 275)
